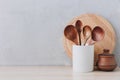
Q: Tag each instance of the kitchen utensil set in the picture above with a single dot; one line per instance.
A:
(73, 33)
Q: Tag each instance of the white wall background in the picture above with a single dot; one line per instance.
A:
(31, 30)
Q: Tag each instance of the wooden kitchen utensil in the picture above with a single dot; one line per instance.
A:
(78, 26)
(93, 20)
(70, 33)
(87, 33)
(106, 61)
(97, 35)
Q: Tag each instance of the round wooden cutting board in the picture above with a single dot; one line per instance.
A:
(94, 20)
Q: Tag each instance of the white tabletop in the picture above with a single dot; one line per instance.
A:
(53, 73)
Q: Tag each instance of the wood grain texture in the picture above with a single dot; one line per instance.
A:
(94, 20)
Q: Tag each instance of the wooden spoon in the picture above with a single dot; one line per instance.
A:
(87, 33)
(97, 35)
(78, 25)
(70, 33)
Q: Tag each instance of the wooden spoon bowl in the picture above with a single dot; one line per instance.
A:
(98, 34)
(70, 33)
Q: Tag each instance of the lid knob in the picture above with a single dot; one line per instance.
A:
(106, 50)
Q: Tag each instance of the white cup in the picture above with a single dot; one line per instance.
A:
(83, 58)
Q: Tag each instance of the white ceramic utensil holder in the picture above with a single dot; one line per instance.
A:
(83, 58)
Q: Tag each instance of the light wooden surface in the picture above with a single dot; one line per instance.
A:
(94, 20)
(53, 73)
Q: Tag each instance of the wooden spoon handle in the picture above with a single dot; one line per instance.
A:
(79, 37)
(89, 42)
(86, 40)
(92, 42)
